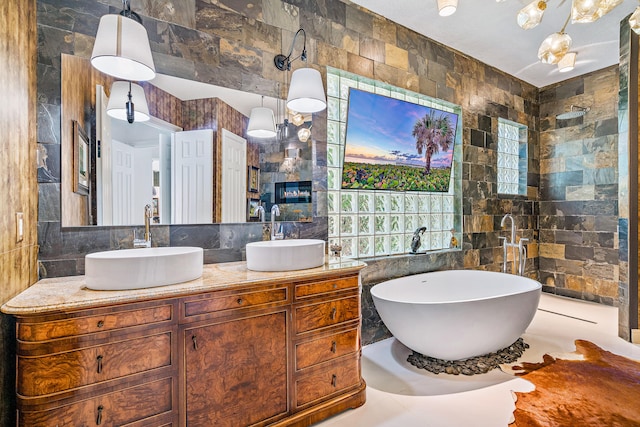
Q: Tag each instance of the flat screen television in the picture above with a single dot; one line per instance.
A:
(393, 144)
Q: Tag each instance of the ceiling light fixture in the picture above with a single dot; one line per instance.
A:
(634, 20)
(555, 46)
(531, 15)
(587, 11)
(447, 7)
(567, 63)
(120, 105)
(304, 134)
(297, 119)
(261, 122)
(306, 92)
(121, 48)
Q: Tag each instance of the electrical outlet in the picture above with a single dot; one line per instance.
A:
(19, 227)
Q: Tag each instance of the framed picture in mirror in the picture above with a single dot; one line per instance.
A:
(254, 179)
(80, 160)
(252, 209)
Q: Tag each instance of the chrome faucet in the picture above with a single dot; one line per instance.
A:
(275, 211)
(146, 242)
(416, 239)
(260, 212)
(520, 257)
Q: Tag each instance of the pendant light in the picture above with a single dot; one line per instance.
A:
(121, 48)
(555, 46)
(634, 20)
(587, 11)
(261, 122)
(531, 15)
(306, 92)
(122, 98)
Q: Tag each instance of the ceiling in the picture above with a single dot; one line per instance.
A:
(487, 30)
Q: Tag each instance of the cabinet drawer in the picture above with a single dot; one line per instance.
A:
(54, 373)
(320, 315)
(325, 382)
(217, 303)
(326, 348)
(321, 287)
(110, 410)
(98, 323)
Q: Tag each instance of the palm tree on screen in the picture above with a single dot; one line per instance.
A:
(433, 134)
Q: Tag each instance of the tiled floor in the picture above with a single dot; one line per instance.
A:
(400, 395)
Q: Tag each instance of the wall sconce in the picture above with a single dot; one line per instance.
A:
(121, 99)
(261, 122)
(306, 92)
(122, 47)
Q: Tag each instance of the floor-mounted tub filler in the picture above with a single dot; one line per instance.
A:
(457, 314)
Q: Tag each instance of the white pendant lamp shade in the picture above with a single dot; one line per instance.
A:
(447, 7)
(122, 49)
(306, 92)
(261, 123)
(117, 106)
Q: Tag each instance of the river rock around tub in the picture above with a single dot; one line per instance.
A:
(471, 366)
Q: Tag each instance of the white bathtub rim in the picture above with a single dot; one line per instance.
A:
(524, 285)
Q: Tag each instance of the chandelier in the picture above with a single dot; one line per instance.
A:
(555, 48)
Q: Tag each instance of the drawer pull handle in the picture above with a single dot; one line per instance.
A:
(335, 286)
(99, 418)
(334, 346)
(334, 380)
(100, 323)
(333, 313)
(240, 301)
(195, 342)
(99, 359)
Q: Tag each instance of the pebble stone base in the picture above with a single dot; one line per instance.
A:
(471, 366)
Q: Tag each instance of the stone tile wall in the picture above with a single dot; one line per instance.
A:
(579, 239)
(232, 43)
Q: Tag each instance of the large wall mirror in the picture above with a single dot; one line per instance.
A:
(192, 161)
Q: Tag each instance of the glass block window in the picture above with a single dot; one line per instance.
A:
(371, 223)
(512, 158)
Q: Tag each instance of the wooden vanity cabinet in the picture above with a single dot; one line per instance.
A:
(113, 366)
(235, 357)
(285, 353)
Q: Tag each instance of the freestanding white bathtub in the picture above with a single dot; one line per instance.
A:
(457, 314)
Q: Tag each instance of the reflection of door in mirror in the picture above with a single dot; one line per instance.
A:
(129, 157)
(192, 177)
(234, 177)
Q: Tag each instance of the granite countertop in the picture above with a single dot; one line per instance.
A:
(62, 294)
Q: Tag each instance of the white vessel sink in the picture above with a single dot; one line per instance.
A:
(142, 268)
(285, 255)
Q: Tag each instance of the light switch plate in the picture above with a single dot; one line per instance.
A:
(19, 227)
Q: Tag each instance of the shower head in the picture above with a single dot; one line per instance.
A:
(574, 111)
